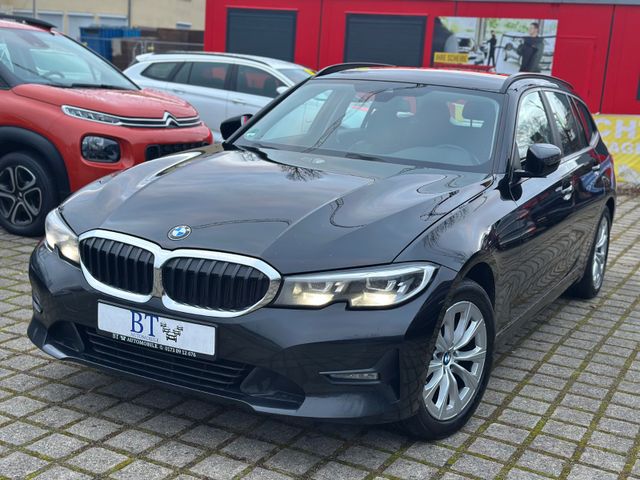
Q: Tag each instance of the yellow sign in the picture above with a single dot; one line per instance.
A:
(452, 58)
(621, 135)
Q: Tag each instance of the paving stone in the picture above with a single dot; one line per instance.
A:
(491, 448)
(139, 469)
(582, 472)
(219, 468)
(262, 474)
(472, 465)
(93, 428)
(318, 444)
(292, 461)
(56, 445)
(205, 436)
(364, 456)
(175, 453)
(18, 465)
(604, 460)
(56, 417)
(133, 441)
(430, 453)
(61, 473)
(97, 460)
(19, 433)
(335, 470)
(541, 463)
(166, 424)
(20, 406)
(249, 449)
(410, 470)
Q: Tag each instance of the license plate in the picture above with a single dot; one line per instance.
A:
(154, 331)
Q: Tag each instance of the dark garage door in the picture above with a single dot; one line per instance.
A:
(394, 39)
(261, 32)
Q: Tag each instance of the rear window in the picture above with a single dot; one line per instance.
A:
(209, 74)
(160, 70)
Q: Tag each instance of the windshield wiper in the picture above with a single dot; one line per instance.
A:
(93, 85)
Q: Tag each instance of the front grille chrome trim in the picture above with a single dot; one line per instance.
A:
(161, 256)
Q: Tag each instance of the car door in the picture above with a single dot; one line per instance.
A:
(204, 84)
(583, 167)
(253, 88)
(543, 260)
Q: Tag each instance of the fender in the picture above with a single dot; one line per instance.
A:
(48, 153)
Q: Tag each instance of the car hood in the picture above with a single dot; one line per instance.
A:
(127, 103)
(298, 212)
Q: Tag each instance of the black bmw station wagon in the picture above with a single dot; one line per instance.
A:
(353, 252)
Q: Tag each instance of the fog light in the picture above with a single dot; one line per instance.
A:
(100, 149)
(353, 376)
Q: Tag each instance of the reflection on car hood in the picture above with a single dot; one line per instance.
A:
(296, 211)
(126, 103)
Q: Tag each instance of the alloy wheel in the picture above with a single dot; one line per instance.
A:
(20, 195)
(455, 370)
(600, 253)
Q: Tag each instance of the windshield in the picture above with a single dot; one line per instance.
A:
(28, 56)
(440, 127)
(296, 74)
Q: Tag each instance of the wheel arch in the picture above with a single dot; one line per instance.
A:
(13, 139)
(481, 268)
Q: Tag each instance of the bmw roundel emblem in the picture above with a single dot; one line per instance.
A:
(179, 232)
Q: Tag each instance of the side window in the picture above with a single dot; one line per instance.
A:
(587, 120)
(257, 82)
(571, 137)
(533, 124)
(160, 70)
(209, 74)
(182, 74)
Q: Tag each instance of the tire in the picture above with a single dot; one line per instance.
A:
(431, 423)
(27, 194)
(590, 284)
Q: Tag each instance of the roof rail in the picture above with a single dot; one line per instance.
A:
(28, 21)
(251, 58)
(511, 79)
(339, 67)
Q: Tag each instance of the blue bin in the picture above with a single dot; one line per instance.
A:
(99, 39)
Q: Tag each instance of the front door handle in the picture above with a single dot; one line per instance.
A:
(565, 191)
(174, 90)
(595, 167)
(238, 101)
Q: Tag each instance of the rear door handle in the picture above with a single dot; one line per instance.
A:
(175, 90)
(595, 167)
(238, 101)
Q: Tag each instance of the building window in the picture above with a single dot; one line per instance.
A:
(269, 33)
(393, 39)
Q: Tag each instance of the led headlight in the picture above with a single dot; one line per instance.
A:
(374, 287)
(100, 149)
(90, 115)
(60, 237)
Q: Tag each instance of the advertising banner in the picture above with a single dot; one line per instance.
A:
(621, 134)
(500, 45)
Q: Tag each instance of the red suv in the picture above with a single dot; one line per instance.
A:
(68, 117)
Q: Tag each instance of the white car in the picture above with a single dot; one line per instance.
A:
(218, 85)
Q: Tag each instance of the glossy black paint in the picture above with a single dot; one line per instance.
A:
(525, 240)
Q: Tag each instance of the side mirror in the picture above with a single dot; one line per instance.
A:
(230, 125)
(542, 159)
(281, 89)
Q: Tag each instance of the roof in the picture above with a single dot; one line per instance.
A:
(23, 23)
(452, 78)
(273, 62)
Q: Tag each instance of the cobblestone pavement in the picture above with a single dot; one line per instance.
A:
(563, 402)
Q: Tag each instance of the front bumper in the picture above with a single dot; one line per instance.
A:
(272, 360)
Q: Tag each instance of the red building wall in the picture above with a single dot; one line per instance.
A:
(596, 49)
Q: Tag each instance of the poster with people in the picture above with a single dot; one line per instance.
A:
(500, 45)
